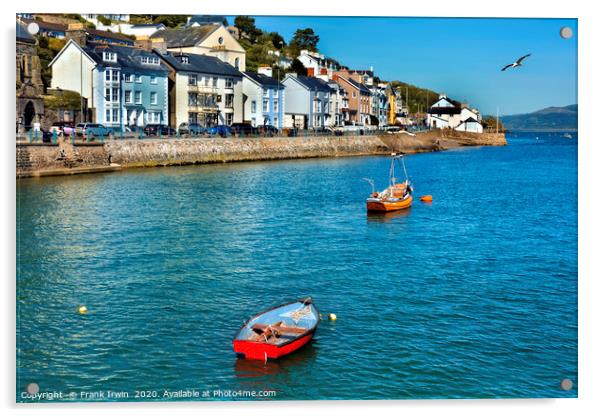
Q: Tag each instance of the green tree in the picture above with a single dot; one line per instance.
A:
(171, 20)
(277, 40)
(247, 28)
(491, 123)
(304, 39)
(298, 67)
(105, 21)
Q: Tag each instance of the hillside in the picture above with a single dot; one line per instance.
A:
(548, 119)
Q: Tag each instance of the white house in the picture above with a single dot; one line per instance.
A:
(448, 113)
(204, 90)
(318, 64)
(264, 98)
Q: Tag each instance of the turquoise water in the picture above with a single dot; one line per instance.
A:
(473, 296)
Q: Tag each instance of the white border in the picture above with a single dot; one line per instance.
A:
(589, 206)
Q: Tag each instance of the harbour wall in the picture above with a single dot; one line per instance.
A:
(66, 157)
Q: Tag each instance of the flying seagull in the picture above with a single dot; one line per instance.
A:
(518, 63)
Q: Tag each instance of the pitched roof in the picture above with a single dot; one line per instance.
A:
(263, 79)
(109, 35)
(444, 110)
(199, 63)
(357, 85)
(470, 120)
(127, 57)
(313, 83)
(187, 36)
(23, 35)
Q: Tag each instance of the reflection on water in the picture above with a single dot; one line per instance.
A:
(386, 217)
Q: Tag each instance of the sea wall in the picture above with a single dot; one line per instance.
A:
(139, 153)
(66, 157)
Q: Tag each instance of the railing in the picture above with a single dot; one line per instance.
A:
(94, 136)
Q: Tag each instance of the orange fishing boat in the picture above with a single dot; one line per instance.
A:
(397, 196)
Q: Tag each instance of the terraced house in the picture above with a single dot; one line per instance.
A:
(264, 98)
(202, 89)
(123, 86)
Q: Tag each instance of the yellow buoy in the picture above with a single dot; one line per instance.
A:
(82, 309)
(332, 316)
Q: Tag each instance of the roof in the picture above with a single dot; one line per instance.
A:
(357, 85)
(148, 25)
(454, 102)
(109, 35)
(188, 36)
(313, 83)
(470, 120)
(127, 57)
(444, 110)
(55, 27)
(199, 63)
(263, 80)
(23, 35)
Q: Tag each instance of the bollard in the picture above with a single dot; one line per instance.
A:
(54, 139)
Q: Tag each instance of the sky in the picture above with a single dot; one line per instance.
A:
(461, 57)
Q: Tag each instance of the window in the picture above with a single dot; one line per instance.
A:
(150, 60)
(115, 76)
(193, 117)
(154, 117)
(237, 63)
(138, 78)
(115, 95)
(353, 94)
(184, 60)
(206, 79)
(229, 118)
(116, 115)
(192, 99)
(138, 97)
(108, 75)
(192, 79)
(109, 56)
(253, 106)
(220, 40)
(153, 97)
(229, 83)
(153, 79)
(214, 79)
(275, 106)
(265, 105)
(112, 115)
(266, 93)
(128, 78)
(229, 100)
(276, 121)
(128, 96)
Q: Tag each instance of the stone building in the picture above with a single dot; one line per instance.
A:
(29, 88)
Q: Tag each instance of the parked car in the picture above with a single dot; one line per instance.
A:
(62, 128)
(221, 130)
(243, 129)
(159, 130)
(191, 129)
(392, 129)
(93, 130)
(268, 130)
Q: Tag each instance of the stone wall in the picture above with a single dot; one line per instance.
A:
(51, 156)
(138, 153)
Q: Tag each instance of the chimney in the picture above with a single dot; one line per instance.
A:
(77, 32)
(265, 70)
(310, 72)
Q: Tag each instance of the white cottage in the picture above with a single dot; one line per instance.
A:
(447, 113)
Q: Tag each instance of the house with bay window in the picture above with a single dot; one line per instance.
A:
(124, 86)
(202, 89)
(264, 98)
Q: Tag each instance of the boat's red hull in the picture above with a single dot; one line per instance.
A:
(264, 351)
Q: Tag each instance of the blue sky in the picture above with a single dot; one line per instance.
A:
(461, 57)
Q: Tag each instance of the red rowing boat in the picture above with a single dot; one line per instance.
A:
(278, 331)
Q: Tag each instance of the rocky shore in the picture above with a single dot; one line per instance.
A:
(65, 157)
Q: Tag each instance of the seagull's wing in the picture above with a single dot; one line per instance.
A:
(507, 66)
(518, 61)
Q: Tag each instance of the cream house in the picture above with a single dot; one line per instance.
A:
(211, 39)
